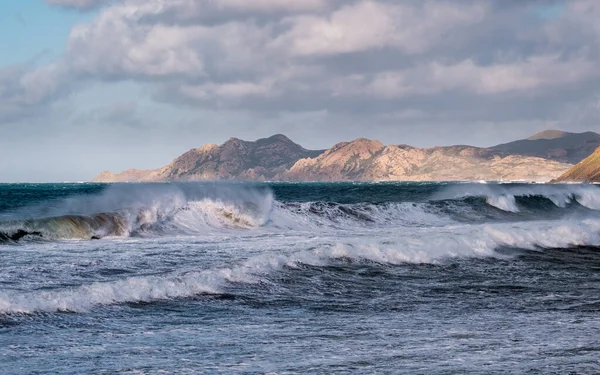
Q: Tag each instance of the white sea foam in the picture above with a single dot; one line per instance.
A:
(84, 298)
(503, 202)
(199, 216)
(409, 245)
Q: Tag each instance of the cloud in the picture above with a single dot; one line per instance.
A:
(26, 90)
(404, 26)
(116, 114)
(530, 77)
(213, 12)
(113, 46)
(79, 4)
(446, 60)
(290, 51)
(132, 39)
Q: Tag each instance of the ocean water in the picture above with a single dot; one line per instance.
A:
(417, 278)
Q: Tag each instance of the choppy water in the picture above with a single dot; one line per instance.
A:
(299, 278)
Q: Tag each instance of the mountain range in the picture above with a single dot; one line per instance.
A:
(541, 157)
(554, 145)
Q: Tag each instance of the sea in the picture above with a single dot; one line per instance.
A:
(299, 278)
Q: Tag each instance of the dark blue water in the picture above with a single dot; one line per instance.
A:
(299, 278)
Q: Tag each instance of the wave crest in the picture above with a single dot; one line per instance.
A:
(419, 246)
(504, 197)
(142, 210)
(190, 209)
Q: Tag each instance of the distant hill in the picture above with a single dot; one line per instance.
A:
(548, 134)
(264, 159)
(369, 160)
(553, 145)
(588, 170)
(541, 157)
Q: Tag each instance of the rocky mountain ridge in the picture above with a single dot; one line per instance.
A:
(556, 145)
(278, 158)
(372, 161)
(263, 159)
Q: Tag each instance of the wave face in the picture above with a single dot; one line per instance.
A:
(434, 276)
(188, 209)
(135, 210)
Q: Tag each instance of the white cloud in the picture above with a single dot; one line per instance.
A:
(529, 76)
(114, 45)
(334, 55)
(369, 24)
(26, 90)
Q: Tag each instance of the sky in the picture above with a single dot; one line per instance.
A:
(94, 85)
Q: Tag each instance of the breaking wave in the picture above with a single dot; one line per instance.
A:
(138, 210)
(505, 197)
(420, 246)
(189, 209)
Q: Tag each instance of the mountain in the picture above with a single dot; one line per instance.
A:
(556, 145)
(365, 159)
(588, 170)
(542, 157)
(264, 159)
(548, 134)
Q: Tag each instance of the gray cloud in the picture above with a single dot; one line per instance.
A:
(211, 12)
(320, 52)
(79, 4)
(119, 114)
(26, 90)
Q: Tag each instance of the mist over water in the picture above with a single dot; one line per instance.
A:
(299, 278)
